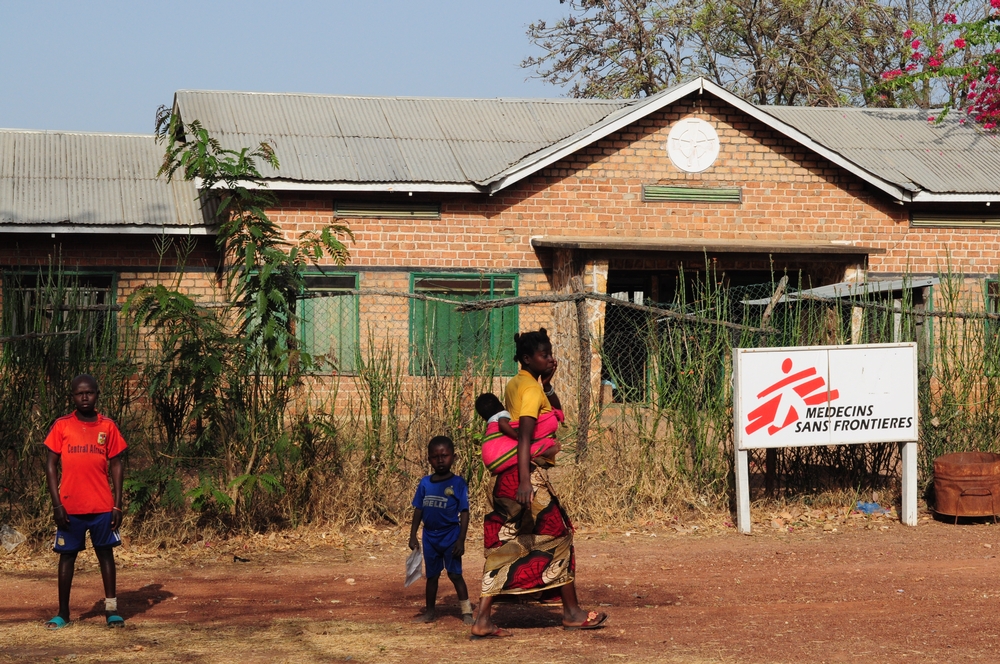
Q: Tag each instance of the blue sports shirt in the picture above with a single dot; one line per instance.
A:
(442, 502)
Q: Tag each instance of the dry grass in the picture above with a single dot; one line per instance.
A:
(285, 641)
(281, 641)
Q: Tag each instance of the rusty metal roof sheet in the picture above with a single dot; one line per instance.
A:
(903, 147)
(96, 181)
(390, 139)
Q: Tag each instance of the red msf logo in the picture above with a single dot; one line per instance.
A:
(801, 388)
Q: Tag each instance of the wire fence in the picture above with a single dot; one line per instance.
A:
(646, 385)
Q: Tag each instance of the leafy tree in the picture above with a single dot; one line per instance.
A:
(953, 63)
(821, 52)
(231, 369)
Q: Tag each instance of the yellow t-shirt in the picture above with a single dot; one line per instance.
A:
(524, 396)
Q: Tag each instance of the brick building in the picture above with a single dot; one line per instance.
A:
(489, 198)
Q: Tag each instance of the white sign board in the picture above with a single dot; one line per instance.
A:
(825, 395)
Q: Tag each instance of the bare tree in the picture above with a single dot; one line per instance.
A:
(615, 48)
(818, 52)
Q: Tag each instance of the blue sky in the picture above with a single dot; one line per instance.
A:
(106, 66)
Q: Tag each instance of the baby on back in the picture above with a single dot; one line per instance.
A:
(500, 445)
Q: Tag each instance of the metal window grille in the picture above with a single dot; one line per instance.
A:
(328, 322)
(991, 340)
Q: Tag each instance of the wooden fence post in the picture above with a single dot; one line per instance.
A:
(583, 374)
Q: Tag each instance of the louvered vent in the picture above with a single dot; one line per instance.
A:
(691, 194)
(389, 210)
(955, 220)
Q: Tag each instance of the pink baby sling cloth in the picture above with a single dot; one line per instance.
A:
(500, 451)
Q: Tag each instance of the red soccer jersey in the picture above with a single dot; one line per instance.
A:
(84, 449)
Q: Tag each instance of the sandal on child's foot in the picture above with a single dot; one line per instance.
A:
(115, 620)
(56, 623)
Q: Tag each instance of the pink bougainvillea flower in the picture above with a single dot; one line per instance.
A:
(959, 43)
(933, 62)
(995, 4)
(908, 34)
(916, 42)
(917, 55)
(950, 18)
(930, 119)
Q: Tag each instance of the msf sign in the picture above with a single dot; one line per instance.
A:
(825, 395)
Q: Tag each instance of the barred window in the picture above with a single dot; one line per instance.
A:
(444, 341)
(77, 307)
(328, 321)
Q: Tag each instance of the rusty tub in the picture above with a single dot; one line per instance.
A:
(967, 484)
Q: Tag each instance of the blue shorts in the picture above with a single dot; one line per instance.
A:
(437, 552)
(74, 537)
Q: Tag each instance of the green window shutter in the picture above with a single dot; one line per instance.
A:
(444, 341)
(502, 345)
(653, 193)
(328, 324)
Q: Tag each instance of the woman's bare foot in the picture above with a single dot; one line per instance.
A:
(428, 616)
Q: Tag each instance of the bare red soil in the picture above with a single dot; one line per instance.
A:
(869, 591)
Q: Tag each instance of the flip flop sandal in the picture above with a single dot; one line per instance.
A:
(593, 621)
(56, 623)
(497, 633)
(116, 620)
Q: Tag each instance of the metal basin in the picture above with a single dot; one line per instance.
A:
(967, 484)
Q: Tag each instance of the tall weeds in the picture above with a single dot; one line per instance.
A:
(229, 427)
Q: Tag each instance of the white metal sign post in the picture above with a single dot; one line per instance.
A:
(825, 395)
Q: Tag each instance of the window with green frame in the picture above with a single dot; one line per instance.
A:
(328, 321)
(444, 341)
(56, 302)
(991, 336)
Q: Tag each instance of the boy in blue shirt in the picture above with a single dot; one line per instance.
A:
(442, 504)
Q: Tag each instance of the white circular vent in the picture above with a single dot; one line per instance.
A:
(692, 145)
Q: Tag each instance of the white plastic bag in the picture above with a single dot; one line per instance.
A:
(414, 566)
(10, 538)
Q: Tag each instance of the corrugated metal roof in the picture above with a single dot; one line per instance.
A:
(390, 139)
(903, 147)
(387, 140)
(853, 289)
(61, 178)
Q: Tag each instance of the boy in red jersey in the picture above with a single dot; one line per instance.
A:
(87, 445)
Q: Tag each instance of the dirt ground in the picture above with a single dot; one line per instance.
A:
(806, 586)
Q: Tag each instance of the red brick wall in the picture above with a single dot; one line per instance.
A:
(85, 250)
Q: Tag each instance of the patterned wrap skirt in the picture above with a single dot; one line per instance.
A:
(526, 550)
